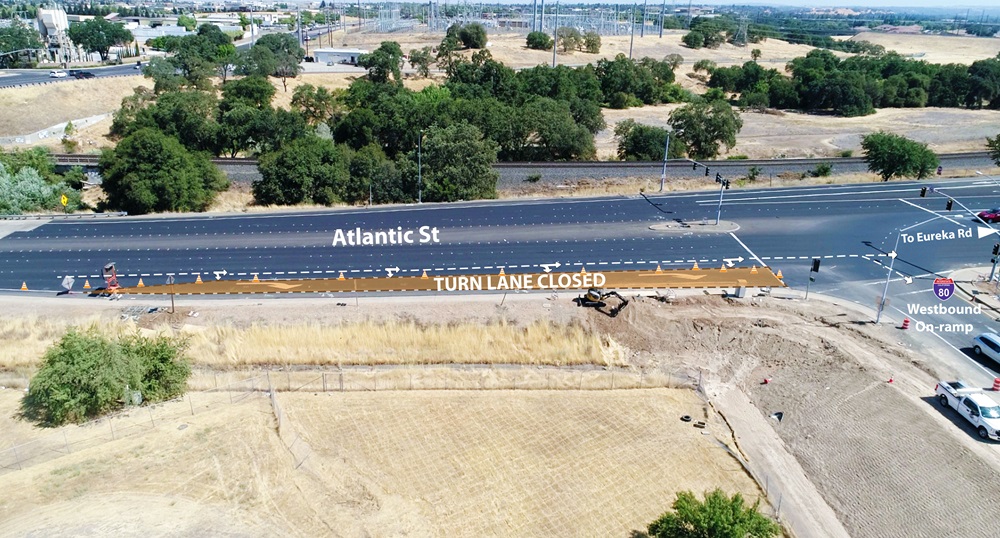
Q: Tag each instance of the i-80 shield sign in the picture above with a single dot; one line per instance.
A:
(943, 288)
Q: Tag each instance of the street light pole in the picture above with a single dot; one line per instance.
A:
(666, 155)
(885, 291)
(722, 188)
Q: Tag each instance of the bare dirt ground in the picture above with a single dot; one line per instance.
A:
(425, 462)
(763, 135)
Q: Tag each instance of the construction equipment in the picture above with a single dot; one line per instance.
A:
(595, 297)
(110, 275)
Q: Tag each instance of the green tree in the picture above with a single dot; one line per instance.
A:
(24, 190)
(638, 142)
(306, 170)
(755, 54)
(384, 64)
(993, 147)
(187, 22)
(17, 40)
(890, 155)
(458, 164)
(718, 516)
(253, 91)
(287, 56)
(99, 35)
(317, 105)
(569, 38)
(694, 39)
(38, 159)
(151, 172)
(86, 375)
(241, 127)
(473, 36)
(371, 172)
(592, 42)
(706, 127)
(421, 60)
(539, 41)
(674, 61)
(226, 58)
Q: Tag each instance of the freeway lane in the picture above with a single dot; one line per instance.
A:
(18, 77)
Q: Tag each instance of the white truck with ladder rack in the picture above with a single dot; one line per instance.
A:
(973, 404)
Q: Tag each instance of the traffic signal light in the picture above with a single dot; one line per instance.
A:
(947, 206)
(694, 165)
(996, 249)
(725, 183)
(815, 267)
(706, 171)
(923, 192)
(718, 178)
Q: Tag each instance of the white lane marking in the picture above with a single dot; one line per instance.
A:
(936, 215)
(959, 351)
(742, 244)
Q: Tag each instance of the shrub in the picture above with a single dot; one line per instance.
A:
(592, 42)
(846, 153)
(86, 375)
(821, 170)
(539, 41)
(737, 158)
(694, 39)
(533, 178)
(753, 173)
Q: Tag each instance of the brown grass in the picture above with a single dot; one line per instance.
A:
(40, 107)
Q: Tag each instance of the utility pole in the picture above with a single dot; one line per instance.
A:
(631, 41)
(541, 18)
(298, 21)
(885, 291)
(723, 185)
(253, 40)
(666, 155)
(642, 29)
(555, 35)
(420, 179)
(663, 11)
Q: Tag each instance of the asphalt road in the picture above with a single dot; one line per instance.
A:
(852, 229)
(19, 77)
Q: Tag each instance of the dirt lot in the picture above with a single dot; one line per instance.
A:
(763, 135)
(425, 462)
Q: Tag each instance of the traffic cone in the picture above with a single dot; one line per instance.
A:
(695, 268)
(906, 324)
(659, 270)
(723, 270)
(198, 281)
(86, 284)
(424, 276)
(140, 284)
(24, 286)
(996, 383)
(583, 270)
(753, 270)
(766, 381)
(779, 275)
(890, 380)
(341, 277)
(255, 279)
(501, 271)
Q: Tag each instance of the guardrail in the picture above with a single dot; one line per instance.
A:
(65, 217)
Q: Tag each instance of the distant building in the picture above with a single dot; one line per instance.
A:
(338, 56)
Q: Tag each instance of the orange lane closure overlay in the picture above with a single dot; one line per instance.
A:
(681, 278)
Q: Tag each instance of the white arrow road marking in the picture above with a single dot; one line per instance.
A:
(983, 231)
(220, 274)
(391, 271)
(729, 261)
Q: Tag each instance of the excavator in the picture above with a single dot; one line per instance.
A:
(595, 298)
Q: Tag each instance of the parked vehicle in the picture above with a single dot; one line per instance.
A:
(987, 344)
(973, 404)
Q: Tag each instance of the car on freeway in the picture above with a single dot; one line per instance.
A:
(57, 74)
(83, 74)
(987, 344)
(990, 215)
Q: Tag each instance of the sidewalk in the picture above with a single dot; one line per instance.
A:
(971, 285)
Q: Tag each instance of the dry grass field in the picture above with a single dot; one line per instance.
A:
(763, 136)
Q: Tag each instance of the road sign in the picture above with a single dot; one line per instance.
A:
(944, 288)
(64, 200)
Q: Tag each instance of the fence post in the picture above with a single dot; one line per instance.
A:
(341, 381)
(612, 380)
(151, 421)
(112, 429)
(191, 404)
(16, 457)
(324, 381)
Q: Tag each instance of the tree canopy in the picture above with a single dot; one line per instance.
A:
(891, 155)
(718, 516)
(99, 35)
(706, 127)
(16, 40)
(150, 171)
(638, 142)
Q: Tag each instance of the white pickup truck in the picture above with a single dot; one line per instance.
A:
(973, 404)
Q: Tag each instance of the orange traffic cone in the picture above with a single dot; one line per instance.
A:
(723, 270)
(583, 270)
(140, 284)
(24, 286)
(695, 268)
(658, 270)
(255, 279)
(424, 276)
(501, 271)
(906, 324)
(86, 284)
(779, 275)
(198, 281)
(753, 270)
